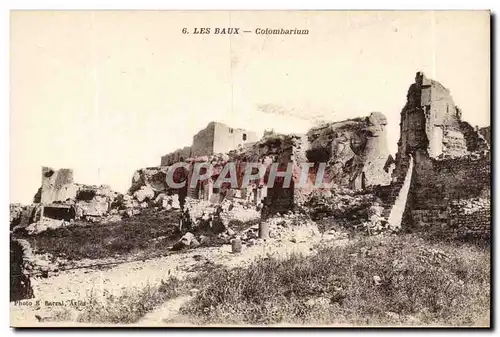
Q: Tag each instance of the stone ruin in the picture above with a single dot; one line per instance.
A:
(215, 138)
(439, 180)
(60, 201)
(355, 151)
(442, 162)
(20, 282)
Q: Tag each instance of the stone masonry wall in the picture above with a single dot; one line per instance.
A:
(452, 165)
(227, 138)
(214, 139)
(203, 141)
(439, 189)
(176, 156)
(430, 120)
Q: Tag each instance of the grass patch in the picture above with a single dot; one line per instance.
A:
(130, 306)
(401, 280)
(94, 241)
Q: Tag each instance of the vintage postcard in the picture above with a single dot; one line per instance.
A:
(250, 168)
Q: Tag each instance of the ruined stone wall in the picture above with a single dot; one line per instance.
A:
(176, 156)
(215, 138)
(20, 282)
(57, 185)
(474, 139)
(430, 120)
(486, 133)
(281, 199)
(227, 138)
(438, 189)
(470, 218)
(452, 166)
(203, 141)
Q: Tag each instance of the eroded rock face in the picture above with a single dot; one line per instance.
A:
(486, 133)
(356, 151)
(94, 201)
(154, 177)
(144, 193)
(20, 283)
(57, 185)
(16, 212)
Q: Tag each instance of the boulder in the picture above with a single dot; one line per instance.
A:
(175, 202)
(218, 226)
(160, 198)
(204, 240)
(98, 206)
(16, 212)
(45, 224)
(144, 193)
(188, 240)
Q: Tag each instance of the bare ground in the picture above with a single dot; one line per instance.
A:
(74, 285)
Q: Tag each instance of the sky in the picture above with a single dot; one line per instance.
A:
(108, 92)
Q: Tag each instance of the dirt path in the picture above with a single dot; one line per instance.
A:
(76, 285)
(168, 313)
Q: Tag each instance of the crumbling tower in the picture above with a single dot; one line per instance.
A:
(441, 160)
(57, 185)
(430, 121)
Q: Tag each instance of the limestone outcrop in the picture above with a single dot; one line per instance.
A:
(356, 151)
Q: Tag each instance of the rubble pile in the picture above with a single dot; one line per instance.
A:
(44, 224)
(152, 177)
(217, 217)
(377, 223)
(144, 193)
(145, 197)
(470, 206)
(20, 215)
(356, 210)
(167, 202)
(93, 202)
(290, 227)
(346, 205)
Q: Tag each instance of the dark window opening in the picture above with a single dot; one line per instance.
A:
(244, 136)
(85, 195)
(59, 213)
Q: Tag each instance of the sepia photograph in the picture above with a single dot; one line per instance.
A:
(243, 168)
